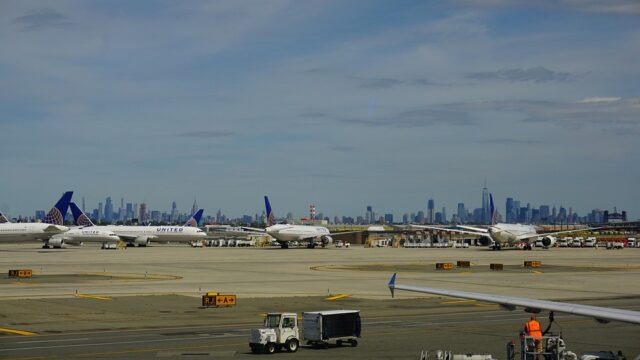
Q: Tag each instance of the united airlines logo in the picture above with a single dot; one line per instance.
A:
(84, 220)
(191, 222)
(271, 220)
(170, 229)
(53, 217)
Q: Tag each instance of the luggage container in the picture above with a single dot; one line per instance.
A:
(322, 327)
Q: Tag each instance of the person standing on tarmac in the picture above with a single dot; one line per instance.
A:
(532, 328)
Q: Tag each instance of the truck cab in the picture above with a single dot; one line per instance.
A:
(280, 330)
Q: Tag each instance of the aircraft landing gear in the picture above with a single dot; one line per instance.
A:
(496, 246)
(284, 245)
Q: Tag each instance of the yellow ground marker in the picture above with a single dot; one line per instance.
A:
(458, 301)
(23, 283)
(537, 272)
(336, 297)
(18, 332)
(93, 297)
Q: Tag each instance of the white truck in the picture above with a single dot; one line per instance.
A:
(590, 242)
(319, 328)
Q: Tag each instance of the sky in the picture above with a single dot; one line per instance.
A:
(342, 104)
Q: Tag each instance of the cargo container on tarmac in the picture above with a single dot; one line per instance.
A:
(319, 328)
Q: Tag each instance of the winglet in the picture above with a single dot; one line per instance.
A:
(392, 283)
(195, 219)
(271, 217)
(80, 218)
(59, 211)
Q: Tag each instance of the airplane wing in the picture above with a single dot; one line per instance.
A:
(55, 229)
(601, 314)
(253, 229)
(457, 231)
(527, 237)
(472, 228)
(130, 238)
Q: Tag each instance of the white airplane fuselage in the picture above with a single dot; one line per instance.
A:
(29, 231)
(511, 233)
(87, 234)
(284, 232)
(158, 233)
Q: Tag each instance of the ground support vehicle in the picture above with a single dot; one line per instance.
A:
(319, 328)
(280, 331)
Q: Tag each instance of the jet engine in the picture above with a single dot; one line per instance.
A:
(326, 240)
(485, 241)
(57, 243)
(548, 241)
(141, 241)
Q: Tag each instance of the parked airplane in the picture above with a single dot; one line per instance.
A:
(142, 235)
(78, 235)
(3, 219)
(601, 314)
(500, 234)
(284, 233)
(51, 225)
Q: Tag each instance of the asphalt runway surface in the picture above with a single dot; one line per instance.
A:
(144, 302)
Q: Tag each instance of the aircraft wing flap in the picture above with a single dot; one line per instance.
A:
(596, 312)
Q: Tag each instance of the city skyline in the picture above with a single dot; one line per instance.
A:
(344, 105)
(513, 211)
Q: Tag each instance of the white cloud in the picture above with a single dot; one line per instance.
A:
(596, 100)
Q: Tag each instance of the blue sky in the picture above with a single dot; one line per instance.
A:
(339, 103)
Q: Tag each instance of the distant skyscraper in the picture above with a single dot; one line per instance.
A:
(100, 212)
(369, 215)
(444, 214)
(83, 209)
(174, 212)
(462, 213)
(108, 210)
(388, 218)
(509, 211)
(486, 212)
(143, 213)
(430, 211)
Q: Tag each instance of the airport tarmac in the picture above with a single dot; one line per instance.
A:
(144, 302)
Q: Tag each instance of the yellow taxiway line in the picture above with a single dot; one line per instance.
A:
(17, 332)
(457, 301)
(336, 297)
(93, 297)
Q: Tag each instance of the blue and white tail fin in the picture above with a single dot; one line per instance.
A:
(494, 212)
(80, 218)
(195, 219)
(271, 217)
(59, 211)
(3, 219)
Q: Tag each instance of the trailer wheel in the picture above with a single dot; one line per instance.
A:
(270, 348)
(292, 345)
(354, 343)
(339, 342)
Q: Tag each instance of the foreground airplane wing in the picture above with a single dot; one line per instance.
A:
(601, 314)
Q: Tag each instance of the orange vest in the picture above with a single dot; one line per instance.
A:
(532, 328)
